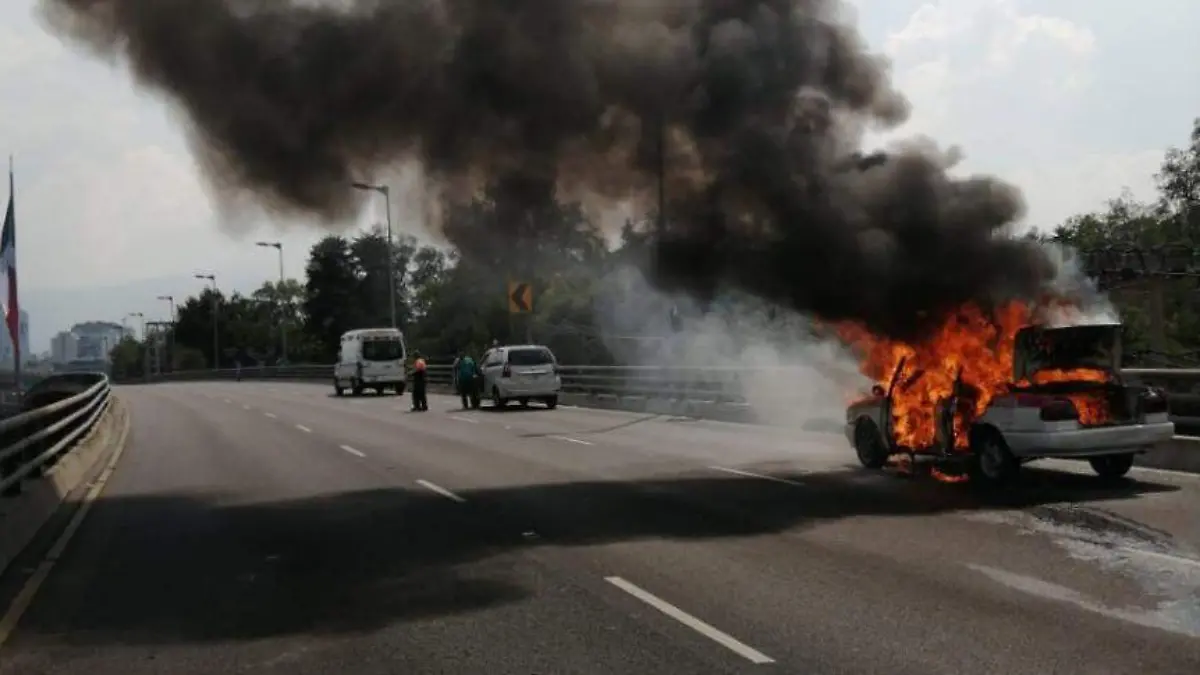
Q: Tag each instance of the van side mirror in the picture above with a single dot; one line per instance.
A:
(878, 391)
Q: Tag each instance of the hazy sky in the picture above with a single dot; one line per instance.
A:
(1073, 100)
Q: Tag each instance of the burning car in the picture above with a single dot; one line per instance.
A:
(1061, 397)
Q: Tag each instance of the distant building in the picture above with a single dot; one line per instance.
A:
(64, 347)
(6, 345)
(95, 340)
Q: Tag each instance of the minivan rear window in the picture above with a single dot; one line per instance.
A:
(382, 350)
(532, 356)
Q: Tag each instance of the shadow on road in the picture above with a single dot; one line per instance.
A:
(176, 569)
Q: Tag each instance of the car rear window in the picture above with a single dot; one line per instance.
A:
(382, 350)
(532, 356)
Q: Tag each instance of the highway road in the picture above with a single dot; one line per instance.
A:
(273, 528)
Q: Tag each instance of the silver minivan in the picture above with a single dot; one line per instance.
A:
(522, 373)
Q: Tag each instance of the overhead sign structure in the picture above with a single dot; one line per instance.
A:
(520, 297)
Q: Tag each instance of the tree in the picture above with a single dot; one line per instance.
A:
(331, 305)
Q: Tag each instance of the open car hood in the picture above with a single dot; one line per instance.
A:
(1068, 347)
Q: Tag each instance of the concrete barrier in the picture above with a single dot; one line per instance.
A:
(1181, 454)
(23, 515)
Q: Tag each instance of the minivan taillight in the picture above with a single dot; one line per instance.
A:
(1059, 410)
(507, 371)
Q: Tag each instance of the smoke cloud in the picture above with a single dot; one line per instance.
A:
(759, 104)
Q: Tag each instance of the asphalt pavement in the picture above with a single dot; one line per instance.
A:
(274, 528)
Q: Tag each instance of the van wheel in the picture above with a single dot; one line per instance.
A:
(356, 388)
(551, 402)
(524, 402)
(1112, 467)
(497, 401)
(337, 389)
(992, 462)
(400, 389)
(870, 450)
(379, 391)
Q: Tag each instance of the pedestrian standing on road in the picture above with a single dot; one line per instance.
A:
(419, 402)
(466, 375)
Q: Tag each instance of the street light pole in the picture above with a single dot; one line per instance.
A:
(278, 246)
(216, 339)
(387, 201)
(170, 335)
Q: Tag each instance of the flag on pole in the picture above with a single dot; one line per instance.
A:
(8, 271)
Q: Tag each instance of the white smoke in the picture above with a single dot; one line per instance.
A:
(787, 375)
(1088, 305)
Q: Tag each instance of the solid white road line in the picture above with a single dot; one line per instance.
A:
(724, 639)
(748, 474)
(271, 415)
(352, 451)
(303, 428)
(568, 439)
(433, 487)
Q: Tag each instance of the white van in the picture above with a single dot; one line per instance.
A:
(370, 358)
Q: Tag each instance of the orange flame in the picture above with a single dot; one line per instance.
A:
(979, 344)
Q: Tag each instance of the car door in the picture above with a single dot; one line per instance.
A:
(488, 365)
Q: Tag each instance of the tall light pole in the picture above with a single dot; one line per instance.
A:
(170, 299)
(216, 339)
(278, 246)
(141, 316)
(387, 202)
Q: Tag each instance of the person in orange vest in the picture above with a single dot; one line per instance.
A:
(419, 402)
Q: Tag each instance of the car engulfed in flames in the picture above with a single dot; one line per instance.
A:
(997, 389)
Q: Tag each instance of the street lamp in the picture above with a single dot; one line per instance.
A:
(141, 316)
(216, 340)
(387, 201)
(170, 299)
(278, 246)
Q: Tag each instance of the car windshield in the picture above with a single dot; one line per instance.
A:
(1074, 347)
(532, 356)
(382, 349)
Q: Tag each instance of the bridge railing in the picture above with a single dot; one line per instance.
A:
(721, 386)
(33, 441)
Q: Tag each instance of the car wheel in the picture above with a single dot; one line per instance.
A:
(1111, 467)
(992, 462)
(337, 389)
(497, 400)
(400, 389)
(870, 449)
(551, 402)
(524, 402)
(356, 388)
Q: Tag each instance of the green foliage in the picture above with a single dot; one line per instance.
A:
(1169, 223)
(449, 299)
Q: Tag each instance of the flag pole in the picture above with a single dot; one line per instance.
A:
(16, 339)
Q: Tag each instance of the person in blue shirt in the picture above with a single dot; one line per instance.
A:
(466, 379)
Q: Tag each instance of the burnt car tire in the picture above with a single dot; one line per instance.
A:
(871, 451)
(992, 462)
(1111, 467)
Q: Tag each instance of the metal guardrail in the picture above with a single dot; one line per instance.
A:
(708, 385)
(32, 441)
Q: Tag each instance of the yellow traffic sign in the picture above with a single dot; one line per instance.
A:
(520, 297)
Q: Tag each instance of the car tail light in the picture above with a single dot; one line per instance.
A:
(1153, 401)
(1059, 410)
(507, 371)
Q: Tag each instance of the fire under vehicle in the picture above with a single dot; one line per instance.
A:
(1066, 399)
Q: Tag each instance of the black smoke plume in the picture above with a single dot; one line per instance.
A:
(759, 103)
